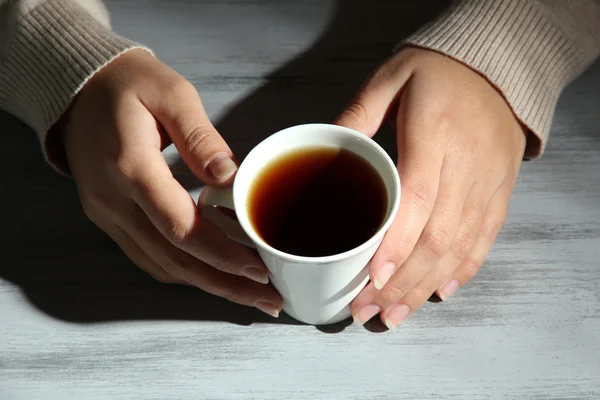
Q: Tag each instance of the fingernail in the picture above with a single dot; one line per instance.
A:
(384, 273)
(222, 166)
(267, 308)
(255, 274)
(448, 289)
(366, 313)
(396, 315)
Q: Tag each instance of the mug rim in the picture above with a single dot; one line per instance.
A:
(240, 205)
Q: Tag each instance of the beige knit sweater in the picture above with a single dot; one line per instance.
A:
(528, 49)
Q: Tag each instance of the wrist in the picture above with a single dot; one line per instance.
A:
(49, 53)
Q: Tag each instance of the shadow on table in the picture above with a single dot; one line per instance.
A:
(70, 270)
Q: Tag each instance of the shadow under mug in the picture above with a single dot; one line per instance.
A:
(315, 290)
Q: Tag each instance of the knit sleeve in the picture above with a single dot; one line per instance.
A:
(48, 51)
(528, 49)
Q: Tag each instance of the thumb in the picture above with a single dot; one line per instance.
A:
(202, 148)
(371, 106)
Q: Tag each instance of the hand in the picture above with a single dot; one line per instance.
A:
(459, 150)
(113, 135)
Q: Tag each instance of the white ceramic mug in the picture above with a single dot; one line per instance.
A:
(315, 290)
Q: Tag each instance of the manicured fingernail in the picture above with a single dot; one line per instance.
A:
(267, 308)
(397, 315)
(366, 313)
(255, 274)
(222, 166)
(384, 273)
(448, 289)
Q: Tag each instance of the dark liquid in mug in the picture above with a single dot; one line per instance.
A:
(317, 202)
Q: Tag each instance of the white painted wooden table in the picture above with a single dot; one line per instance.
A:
(78, 321)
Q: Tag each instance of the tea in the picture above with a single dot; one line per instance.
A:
(317, 201)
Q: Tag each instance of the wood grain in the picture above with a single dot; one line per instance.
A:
(78, 321)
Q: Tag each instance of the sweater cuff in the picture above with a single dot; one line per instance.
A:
(518, 47)
(52, 51)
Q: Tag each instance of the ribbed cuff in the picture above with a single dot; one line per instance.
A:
(518, 47)
(52, 52)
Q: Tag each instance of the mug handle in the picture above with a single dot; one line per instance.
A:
(209, 199)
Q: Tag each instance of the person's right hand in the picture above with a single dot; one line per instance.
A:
(113, 135)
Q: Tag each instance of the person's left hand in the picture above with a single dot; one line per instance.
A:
(459, 152)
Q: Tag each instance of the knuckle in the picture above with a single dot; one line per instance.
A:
(90, 210)
(445, 123)
(232, 294)
(125, 167)
(223, 265)
(402, 249)
(357, 113)
(170, 268)
(381, 74)
(423, 292)
(162, 277)
(437, 243)
(491, 229)
(392, 294)
(461, 245)
(179, 89)
(197, 137)
(474, 214)
(470, 267)
(95, 207)
(176, 233)
(387, 72)
(422, 199)
(175, 266)
(399, 245)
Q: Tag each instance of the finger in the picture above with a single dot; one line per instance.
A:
(470, 225)
(436, 237)
(175, 214)
(184, 266)
(369, 108)
(180, 111)
(139, 256)
(363, 307)
(420, 168)
(494, 218)
(370, 300)
(437, 240)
